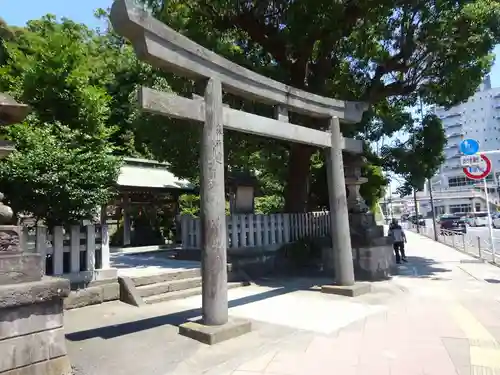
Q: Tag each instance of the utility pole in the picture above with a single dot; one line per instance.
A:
(415, 203)
(416, 208)
(386, 208)
(429, 185)
(392, 209)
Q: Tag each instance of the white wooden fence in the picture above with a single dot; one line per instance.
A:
(249, 230)
(79, 253)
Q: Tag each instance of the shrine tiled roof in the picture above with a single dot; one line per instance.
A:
(150, 174)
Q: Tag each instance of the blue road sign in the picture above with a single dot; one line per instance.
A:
(469, 147)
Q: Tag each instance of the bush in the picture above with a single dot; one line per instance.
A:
(189, 204)
(302, 253)
(269, 204)
(56, 174)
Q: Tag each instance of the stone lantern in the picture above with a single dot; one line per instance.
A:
(372, 251)
(353, 182)
(241, 186)
(11, 112)
(31, 305)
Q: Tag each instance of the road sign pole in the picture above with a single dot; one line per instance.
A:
(490, 226)
(429, 185)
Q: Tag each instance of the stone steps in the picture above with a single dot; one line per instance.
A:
(167, 286)
(166, 276)
(180, 294)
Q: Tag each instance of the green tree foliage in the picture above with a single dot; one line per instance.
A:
(384, 52)
(269, 204)
(415, 159)
(371, 191)
(374, 189)
(189, 204)
(55, 178)
(63, 169)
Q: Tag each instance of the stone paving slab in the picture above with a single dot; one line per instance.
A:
(148, 264)
(433, 318)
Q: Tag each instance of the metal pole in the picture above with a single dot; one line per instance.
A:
(429, 186)
(416, 209)
(414, 189)
(490, 227)
(386, 214)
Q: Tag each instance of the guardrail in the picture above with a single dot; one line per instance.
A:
(469, 244)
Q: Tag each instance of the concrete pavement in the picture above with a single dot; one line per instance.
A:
(440, 316)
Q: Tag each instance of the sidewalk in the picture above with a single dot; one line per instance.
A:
(440, 316)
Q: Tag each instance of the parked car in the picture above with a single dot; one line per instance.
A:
(413, 219)
(452, 223)
(495, 220)
(478, 219)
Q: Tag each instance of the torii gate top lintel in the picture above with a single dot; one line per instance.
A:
(163, 47)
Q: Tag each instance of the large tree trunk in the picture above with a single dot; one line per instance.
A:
(297, 184)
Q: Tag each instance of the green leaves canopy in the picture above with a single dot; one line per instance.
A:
(387, 53)
(384, 52)
(415, 159)
(55, 179)
(63, 169)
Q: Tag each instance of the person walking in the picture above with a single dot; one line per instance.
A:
(398, 237)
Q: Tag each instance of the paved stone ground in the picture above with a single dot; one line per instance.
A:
(147, 264)
(440, 316)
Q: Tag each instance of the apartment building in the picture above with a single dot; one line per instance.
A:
(479, 119)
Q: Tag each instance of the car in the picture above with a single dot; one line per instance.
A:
(495, 220)
(413, 219)
(443, 217)
(452, 223)
(478, 219)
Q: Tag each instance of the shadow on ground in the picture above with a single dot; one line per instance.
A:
(175, 319)
(420, 267)
(417, 267)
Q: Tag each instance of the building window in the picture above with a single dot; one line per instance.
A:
(478, 207)
(464, 181)
(460, 208)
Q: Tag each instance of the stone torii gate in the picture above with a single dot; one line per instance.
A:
(162, 47)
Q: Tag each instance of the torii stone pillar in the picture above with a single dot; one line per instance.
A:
(339, 218)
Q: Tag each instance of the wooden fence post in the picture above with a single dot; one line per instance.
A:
(90, 247)
(74, 249)
(41, 245)
(58, 250)
(105, 256)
